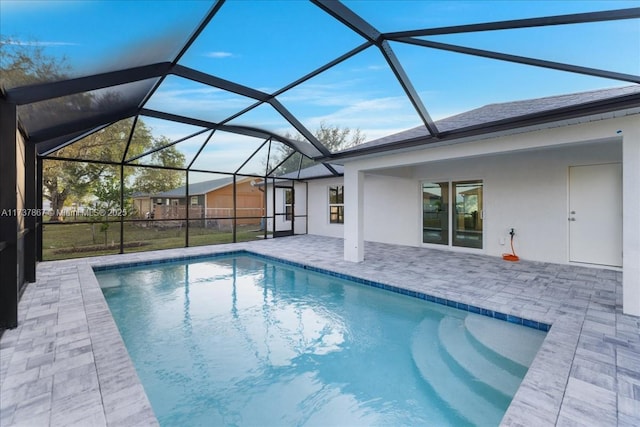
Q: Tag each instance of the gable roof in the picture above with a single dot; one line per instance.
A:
(197, 188)
(489, 118)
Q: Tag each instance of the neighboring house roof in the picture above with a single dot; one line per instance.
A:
(496, 113)
(315, 171)
(197, 188)
(140, 194)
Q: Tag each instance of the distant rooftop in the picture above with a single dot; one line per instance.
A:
(196, 188)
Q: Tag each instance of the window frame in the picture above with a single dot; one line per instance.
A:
(452, 241)
(288, 200)
(336, 208)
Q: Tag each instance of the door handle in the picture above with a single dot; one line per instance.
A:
(572, 219)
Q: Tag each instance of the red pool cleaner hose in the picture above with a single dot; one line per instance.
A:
(512, 256)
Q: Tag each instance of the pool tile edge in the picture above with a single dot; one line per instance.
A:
(123, 397)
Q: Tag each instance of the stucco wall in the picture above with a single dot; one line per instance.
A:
(526, 190)
(318, 215)
(526, 182)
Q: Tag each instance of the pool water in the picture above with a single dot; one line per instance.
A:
(245, 341)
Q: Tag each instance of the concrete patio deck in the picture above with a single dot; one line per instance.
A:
(65, 364)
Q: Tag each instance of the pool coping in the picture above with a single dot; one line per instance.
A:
(391, 288)
(548, 395)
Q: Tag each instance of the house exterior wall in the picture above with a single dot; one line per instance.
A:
(386, 202)
(247, 197)
(527, 191)
(319, 208)
(526, 187)
(142, 205)
(249, 203)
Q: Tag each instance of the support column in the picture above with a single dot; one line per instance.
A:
(31, 220)
(8, 216)
(631, 221)
(353, 215)
(39, 206)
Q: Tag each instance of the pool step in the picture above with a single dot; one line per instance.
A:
(473, 407)
(490, 377)
(512, 342)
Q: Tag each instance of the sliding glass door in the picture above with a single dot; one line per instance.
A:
(435, 212)
(452, 213)
(467, 224)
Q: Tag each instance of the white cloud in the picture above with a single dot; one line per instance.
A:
(324, 94)
(374, 117)
(346, 104)
(204, 102)
(39, 43)
(218, 54)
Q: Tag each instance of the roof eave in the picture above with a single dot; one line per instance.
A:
(484, 130)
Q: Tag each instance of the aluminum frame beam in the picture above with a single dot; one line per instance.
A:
(574, 18)
(44, 91)
(171, 144)
(209, 80)
(82, 125)
(50, 138)
(357, 24)
(325, 67)
(349, 18)
(299, 127)
(212, 12)
(408, 88)
(522, 60)
(52, 145)
(9, 224)
(241, 130)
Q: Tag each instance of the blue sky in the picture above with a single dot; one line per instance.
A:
(267, 44)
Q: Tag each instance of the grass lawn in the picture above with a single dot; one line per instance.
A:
(73, 240)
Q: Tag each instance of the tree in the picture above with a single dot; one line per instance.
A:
(334, 138)
(107, 191)
(63, 179)
(26, 63)
(154, 180)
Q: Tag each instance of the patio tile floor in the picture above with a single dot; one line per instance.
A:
(66, 364)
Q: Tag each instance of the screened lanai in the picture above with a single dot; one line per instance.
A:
(121, 115)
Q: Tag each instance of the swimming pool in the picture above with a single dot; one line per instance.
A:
(242, 340)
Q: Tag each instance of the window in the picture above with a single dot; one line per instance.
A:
(336, 204)
(456, 220)
(194, 200)
(467, 226)
(288, 203)
(435, 213)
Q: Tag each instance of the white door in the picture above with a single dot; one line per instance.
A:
(595, 214)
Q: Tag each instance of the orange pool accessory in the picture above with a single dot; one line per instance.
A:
(512, 256)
